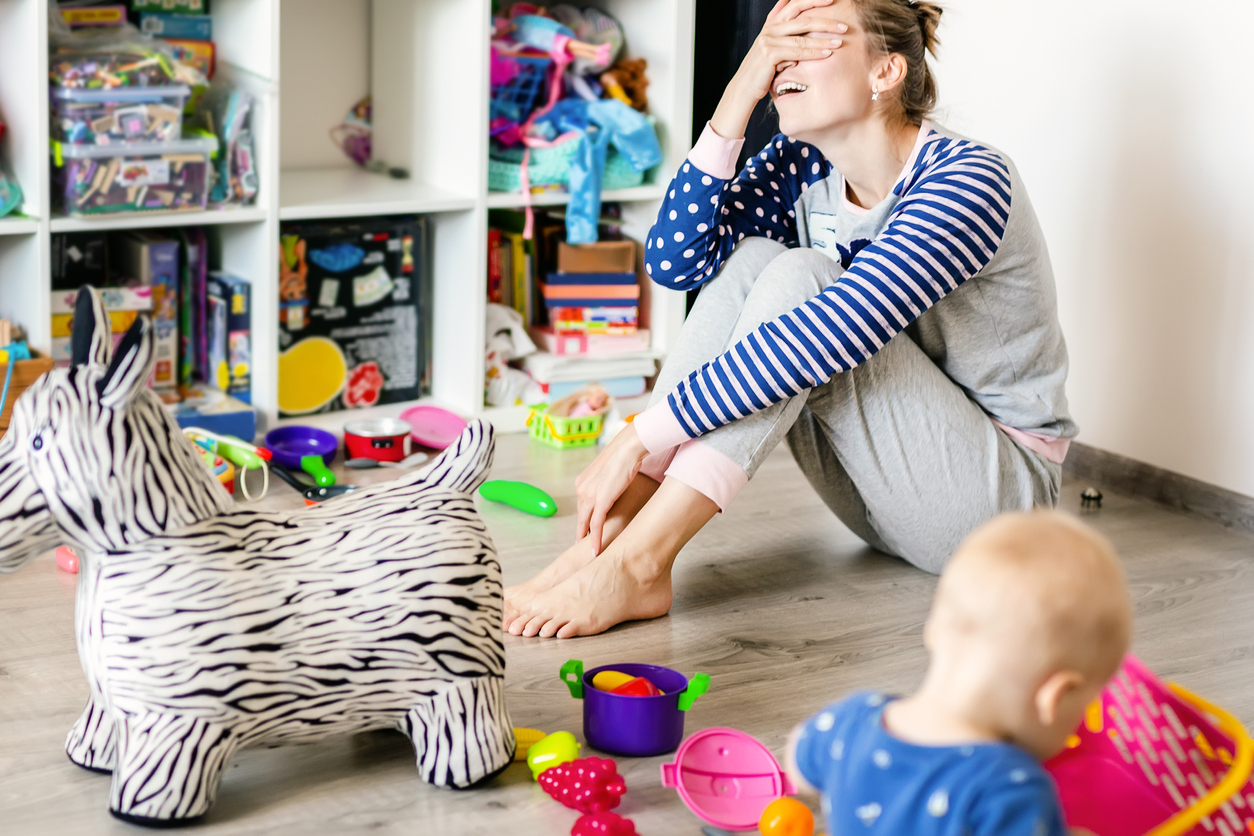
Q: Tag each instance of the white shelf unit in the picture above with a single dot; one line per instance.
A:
(425, 63)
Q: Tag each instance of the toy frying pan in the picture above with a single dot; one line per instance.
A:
(290, 444)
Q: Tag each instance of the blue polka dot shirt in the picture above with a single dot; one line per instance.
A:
(873, 783)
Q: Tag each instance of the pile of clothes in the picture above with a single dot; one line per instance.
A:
(558, 83)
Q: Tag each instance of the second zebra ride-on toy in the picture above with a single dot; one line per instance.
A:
(204, 628)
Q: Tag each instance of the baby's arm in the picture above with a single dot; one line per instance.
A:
(804, 787)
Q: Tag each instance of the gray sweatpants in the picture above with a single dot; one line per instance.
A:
(894, 447)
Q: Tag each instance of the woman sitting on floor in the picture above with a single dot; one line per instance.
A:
(875, 289)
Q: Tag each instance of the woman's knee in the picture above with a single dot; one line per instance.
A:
(728, 289)
(792, 277)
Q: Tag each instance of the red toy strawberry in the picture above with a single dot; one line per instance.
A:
(589, 785)
(603, 824)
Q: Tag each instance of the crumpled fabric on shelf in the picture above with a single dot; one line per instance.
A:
(507, 340)
(598, 125)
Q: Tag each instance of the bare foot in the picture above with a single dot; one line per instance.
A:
(608, 590)
(567, 563)
(579, 555)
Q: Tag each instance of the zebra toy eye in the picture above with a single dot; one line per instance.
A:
(38, 443)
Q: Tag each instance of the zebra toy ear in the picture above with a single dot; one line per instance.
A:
(131, 366)
(89, 338)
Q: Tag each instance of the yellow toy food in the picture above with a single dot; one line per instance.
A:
(523, 740)
(559, 747)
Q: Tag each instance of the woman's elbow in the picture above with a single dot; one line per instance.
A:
(671, 275)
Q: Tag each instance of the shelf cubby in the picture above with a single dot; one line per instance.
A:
(306, 62)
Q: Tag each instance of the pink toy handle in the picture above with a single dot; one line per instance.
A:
(669, 778)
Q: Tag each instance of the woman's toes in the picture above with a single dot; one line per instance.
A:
(552, 627)
(568, 631)
(533, 626)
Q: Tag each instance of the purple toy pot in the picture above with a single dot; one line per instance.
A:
(634, 726)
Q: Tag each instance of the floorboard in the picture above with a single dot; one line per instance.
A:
(778, 602)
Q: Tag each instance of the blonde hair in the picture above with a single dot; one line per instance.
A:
(908, 29)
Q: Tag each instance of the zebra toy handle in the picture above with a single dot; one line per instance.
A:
(572, 677)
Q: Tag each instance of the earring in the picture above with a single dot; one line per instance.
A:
(875, 94)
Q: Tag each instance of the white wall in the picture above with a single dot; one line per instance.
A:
(1132, 124)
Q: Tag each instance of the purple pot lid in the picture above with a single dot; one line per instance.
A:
(726, 778)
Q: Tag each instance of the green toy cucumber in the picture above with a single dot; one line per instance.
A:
(520, 495)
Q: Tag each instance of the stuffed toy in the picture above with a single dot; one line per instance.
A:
(204, 628)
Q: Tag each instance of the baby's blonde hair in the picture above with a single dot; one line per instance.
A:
(1047, 586)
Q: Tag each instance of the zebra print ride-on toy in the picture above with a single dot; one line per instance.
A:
(204, 628)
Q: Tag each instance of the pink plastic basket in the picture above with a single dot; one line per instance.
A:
(1152, 758)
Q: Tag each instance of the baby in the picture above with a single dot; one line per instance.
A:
(1030, 620)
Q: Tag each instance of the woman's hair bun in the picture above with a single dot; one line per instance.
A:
(929, 15)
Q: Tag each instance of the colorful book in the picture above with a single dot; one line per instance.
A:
(550, 368)
(612, 294)
(520, 263)
(153, 259)
(583, 342)
(230, 335)
(138, 298)
(594, 319)
(494, 265)
(193, 344)
(189, 27)
(591, 302)
(592, 278)
(119, 322)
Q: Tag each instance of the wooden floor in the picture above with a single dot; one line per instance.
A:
(779, 603)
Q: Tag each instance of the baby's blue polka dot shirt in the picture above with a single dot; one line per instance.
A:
(873, 783)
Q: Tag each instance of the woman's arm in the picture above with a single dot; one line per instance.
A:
(704, 215)
(947, 227)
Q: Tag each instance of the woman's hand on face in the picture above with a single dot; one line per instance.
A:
(785, 40)
(603, 482)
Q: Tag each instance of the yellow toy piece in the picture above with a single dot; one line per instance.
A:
(523, 740)
(311, 374)
(609, 680)
(558, 747)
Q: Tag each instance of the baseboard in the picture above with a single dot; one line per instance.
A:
(1133, 478)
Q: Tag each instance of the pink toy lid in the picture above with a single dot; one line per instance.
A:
(726, 778)
(433, 426)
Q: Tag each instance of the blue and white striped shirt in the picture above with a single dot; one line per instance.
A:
(949, 214)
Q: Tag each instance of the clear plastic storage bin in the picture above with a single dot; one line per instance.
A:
(154, 177)
(116, 115)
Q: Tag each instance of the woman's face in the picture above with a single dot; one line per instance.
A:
(814, 97)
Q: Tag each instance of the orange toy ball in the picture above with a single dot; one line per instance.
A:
(786, 817)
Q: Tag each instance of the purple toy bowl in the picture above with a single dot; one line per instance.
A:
(634, 726)
(726, 778)
(290, 443)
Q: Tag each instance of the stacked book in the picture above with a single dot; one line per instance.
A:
(593, 335)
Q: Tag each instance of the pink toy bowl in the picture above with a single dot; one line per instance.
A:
(726, 778)
(636, 726)
(1151, 758)
(432, 426)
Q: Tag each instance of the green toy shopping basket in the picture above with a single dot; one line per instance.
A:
(562, 432)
